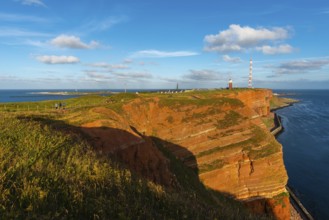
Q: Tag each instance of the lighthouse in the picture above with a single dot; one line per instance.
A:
(230, 84)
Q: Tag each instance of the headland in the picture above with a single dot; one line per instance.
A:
(214, 146)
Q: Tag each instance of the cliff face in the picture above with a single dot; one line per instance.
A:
(220, 135)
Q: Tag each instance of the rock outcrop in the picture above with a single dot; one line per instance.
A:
(219, 134)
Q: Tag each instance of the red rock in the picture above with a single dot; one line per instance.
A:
(228, 143)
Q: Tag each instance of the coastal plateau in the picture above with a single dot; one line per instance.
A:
(222, 137)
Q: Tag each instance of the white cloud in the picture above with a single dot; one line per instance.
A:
(301, 66)
(229, 59)
(66, 41)
(204, 75)
(101, 65)
(162, 54)
(13, 32)
(58, 59)
(282, 49)
(21, 18)
(35, 43)
(237, 38)
(108, 65)
(128, 61)
(109, 22)
(104, 24)
(134, 75)
(33, 2)
(96, 75)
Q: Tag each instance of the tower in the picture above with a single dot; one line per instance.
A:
(250, 74)
(230, 84)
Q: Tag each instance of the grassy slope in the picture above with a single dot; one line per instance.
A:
(48, 174)
(279, 102)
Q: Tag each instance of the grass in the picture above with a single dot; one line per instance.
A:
(231, 118)
(277, 102)
(48, 174)
(114, 102)
(258, 136)
(178, 101)
(271, 148)
(50, 171)
(279, 199)
(216, 164)
(268, 121)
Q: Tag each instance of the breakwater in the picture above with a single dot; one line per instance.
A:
(294, 200)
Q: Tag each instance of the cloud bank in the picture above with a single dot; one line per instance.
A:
(282, 49)
(108, 65)
(21, 18)
(15, 32)
(134, 75)
(162, 54)
(33, 2)
(229, 59)
(301, 66)
(73, 42)
(107, 23)
(203, 75)
(57, 59)
(239, 39)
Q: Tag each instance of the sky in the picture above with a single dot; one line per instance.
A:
(153, 44)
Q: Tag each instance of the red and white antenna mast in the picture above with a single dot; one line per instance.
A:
(250, 74)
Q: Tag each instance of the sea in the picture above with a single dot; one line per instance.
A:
(7, 96)
(42, 95)
(305, 142)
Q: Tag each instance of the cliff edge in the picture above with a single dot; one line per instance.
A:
(221, 135)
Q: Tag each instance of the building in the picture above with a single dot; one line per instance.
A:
(230, 84)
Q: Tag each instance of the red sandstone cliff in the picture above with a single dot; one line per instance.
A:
(221, 135)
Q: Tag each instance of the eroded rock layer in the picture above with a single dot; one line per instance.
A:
(221, 135)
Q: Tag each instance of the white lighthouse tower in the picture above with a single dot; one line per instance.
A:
(250, 74)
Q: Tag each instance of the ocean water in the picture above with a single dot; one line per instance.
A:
(31, 95)
(40, 95)
(305, 143)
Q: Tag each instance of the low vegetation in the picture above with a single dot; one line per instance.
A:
(178, 101)
(216, 164)
(231, 118)
(269, 122)
(48, 174)
(257, 136)
(50, 170)
(278, 102)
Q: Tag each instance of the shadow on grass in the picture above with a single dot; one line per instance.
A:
(159, 161)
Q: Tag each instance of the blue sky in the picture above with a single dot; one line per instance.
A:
(112, 44)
